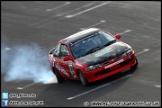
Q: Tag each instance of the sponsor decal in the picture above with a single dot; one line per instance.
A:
(113, 64)
(71, 44)
(61, 69)
(112, 60)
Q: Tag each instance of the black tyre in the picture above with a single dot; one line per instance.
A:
(83, 79)
(60, 79)
(135, 66)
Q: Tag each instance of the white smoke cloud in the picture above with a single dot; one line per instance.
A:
(26, 62)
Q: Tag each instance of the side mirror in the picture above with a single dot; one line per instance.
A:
(66, 58)
(52, 50)
(117, 36)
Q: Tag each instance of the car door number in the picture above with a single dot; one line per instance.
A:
(71, 69)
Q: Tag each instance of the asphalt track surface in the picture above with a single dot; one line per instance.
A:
(46, 22)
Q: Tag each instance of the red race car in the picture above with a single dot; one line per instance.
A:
(90, 55)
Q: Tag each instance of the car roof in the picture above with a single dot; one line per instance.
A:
(80, 35)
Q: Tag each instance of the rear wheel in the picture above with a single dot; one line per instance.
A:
(135, 66)
(60, 79)
(83, 79)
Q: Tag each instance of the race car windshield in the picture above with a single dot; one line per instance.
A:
(91, 43)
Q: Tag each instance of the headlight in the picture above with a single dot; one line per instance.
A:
(128, 52)
(93, 67)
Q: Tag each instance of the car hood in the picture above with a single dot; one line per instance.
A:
(113, 51)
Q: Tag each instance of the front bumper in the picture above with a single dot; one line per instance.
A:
(103, 72)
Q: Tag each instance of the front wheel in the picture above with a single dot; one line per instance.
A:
(83, 79)
(60, 79)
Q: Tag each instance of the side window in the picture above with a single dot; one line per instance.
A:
(64, 50)
(57, 51)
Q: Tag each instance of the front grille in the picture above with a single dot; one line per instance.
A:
(115, 59)
(126, 62)
(108, 70)
(102, 72)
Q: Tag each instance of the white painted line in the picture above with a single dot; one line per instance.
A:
(85, 6)
(89, 4)
(6, 49)
(73, 97)
(66, 3)
(102, 21)
(20, 88)
(76, 9)
(126, 31)
(158, 86)
(73, 15)
(61, 14)
(144, 50)
(47, 18)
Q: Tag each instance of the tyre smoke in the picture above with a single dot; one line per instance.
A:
(26, 63)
